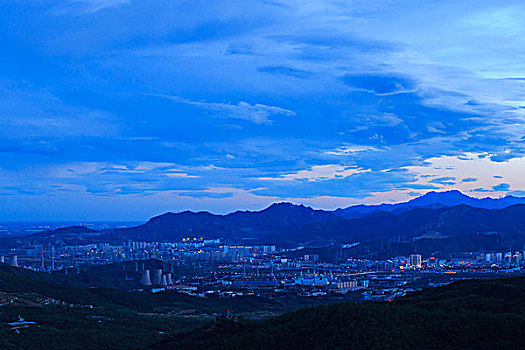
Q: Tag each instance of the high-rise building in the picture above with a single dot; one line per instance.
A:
(415, 260)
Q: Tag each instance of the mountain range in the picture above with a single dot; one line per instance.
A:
(435, 222)
(431, 200)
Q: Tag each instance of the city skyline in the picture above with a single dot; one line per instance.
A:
(121, 110)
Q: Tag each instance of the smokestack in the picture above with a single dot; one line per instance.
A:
(136, 266)
(14, 261)
(168, 279)
(163, 281)
(157, 277)
(146, 280)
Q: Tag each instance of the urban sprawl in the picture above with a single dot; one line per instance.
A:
(204, 268)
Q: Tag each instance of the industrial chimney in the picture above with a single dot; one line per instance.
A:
(14, 261)
(168, 279)
(146, 280)
(157, 277)
(163, 281)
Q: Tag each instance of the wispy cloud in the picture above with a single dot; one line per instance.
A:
(257, 113)
(30, 112)
(318, 173)
(83, 7)
(323, 102)
(380, 83)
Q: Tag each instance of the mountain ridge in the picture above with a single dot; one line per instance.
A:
(289, 225)
(434, 200)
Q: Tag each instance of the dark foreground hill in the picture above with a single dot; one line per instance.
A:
(68, 314)
(476, 314)
(488, 314)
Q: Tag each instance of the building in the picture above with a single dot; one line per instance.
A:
(415, 261)
(350, 284)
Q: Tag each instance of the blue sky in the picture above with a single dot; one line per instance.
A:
(123, 109)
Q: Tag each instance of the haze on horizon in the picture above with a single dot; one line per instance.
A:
(124, 109)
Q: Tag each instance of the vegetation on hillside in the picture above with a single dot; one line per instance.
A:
(74, 317)
(488, 314)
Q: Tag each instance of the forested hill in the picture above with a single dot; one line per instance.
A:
(288, 225)
(429, 221)
(476, 314)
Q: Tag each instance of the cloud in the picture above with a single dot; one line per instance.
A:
(380, 83)
(501, 187)
(349, 150)
(469, 179)
(240, 48)
(257, 113)
(29, 112)
(480, 189)
(318, 173)
(503, 20)
(281, 4)
(84, 7)
(292, 72)
(364, 92)
(447, 180)
(518, 193)
(471, 166)
(206, 194)
(317, 46)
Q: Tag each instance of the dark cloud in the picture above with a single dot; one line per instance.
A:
(501, 187)
(447, 180)
(206, 194)
(292, 72)
(480, 189)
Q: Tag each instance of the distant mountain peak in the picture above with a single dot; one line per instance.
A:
(456, 193)
(432, 199)
(286, 205)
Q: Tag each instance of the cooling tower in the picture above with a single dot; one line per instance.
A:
(14, 261)
(168, 279)
(163, 281)
(157, 276)
(146, 280)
